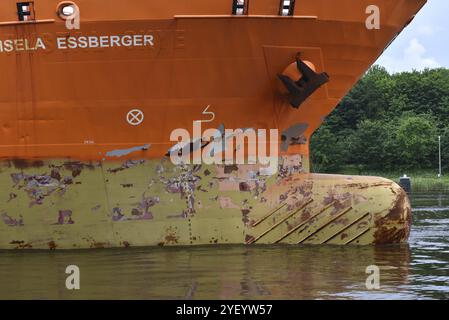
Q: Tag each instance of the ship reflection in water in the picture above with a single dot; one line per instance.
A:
(418, 271)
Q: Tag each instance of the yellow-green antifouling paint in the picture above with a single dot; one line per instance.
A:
(74, 205)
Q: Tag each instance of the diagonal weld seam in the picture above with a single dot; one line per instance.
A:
(305, 222)
(325, 225)
(358, 236)
(268, 215)
(281, 222)
(347, 227)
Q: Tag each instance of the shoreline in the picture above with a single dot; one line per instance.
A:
(422, 180)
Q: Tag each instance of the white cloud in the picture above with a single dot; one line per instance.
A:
(426, 30)
(414, 56)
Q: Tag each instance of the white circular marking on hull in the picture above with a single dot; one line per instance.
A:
(135, 117)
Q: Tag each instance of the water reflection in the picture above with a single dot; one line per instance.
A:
(202, 273)
(416, 271)
(430, 246)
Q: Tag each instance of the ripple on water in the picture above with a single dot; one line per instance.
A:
(417, 271)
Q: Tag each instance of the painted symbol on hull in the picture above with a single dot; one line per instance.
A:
(135, 117)
(209, 113)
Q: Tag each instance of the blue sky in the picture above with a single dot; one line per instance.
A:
(424, 43)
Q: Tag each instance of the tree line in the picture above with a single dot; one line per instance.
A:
(387, 122)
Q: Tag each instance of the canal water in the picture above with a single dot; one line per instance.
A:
(419, 270)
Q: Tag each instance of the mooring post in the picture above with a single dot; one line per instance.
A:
(406, 183)
(440, 173)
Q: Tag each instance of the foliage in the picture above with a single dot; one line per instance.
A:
(388, 122)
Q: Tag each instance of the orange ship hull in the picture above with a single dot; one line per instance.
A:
(71, 146)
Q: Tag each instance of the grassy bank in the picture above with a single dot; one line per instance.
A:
(422, 181)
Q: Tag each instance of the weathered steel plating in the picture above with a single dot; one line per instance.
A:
(64, 205)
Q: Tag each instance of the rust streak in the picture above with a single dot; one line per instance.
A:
(52, 245)
(395, 226)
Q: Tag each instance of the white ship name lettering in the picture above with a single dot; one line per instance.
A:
(22, 45)
(78, 42)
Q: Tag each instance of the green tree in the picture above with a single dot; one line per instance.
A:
(445, 148)
(387, 122)
(374, 145)
(417, 141)
(329, 151)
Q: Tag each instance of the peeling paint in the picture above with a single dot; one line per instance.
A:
(195, 204)
(96, 208)
(124, 152)
(142, 212)
(24, 164)
(294, 135)
(12, 196)
(127, 165)
(65, 217)
(39, 187)
(12, 222)
(117, 214)
(21, 244)
(290, 165)
(226, 203)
